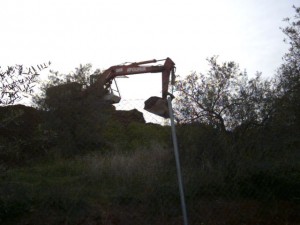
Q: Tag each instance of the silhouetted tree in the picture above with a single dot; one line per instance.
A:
(224, 98)
(288, 105)
(76, 118)
(17, 82)
(80, 75)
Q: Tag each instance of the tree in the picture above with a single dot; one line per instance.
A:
(18, 122)
(75, 118)
(80, 75)
(224, 98)
(289, 70)
(17, 82)
(288, 75)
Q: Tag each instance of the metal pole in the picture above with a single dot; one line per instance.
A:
(179, 175)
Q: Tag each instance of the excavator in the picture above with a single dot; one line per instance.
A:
(101, 86)
(102, 83)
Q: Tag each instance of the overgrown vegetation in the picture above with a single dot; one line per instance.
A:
(76, 160)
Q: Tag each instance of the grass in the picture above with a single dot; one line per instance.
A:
(70, 186)
(139, 186)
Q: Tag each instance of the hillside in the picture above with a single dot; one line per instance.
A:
(110, 167)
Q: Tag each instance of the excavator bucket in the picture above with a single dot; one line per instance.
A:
(157, 106)
(112, 98)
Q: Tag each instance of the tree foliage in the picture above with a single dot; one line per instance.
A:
(288, 75)
(76, 118)
(224, 97)
(289, 70)
(17, 82)
(80, 75)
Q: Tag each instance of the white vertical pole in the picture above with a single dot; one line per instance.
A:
(179, 175)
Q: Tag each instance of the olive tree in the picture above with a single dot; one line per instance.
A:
(80, 75)
(288, 75)
(17, 81)
(224, 97)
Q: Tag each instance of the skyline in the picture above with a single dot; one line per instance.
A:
(107, 33)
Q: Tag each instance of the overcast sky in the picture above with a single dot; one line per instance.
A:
(106, 33)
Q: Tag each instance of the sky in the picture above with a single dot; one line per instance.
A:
(107, 33)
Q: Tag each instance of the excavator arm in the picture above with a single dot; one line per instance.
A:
(167, 69)
(154, 104)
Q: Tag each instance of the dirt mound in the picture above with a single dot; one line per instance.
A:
(71, 98)
(126, 117)
(19, 121)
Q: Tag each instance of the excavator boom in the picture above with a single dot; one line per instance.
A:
(154, 104)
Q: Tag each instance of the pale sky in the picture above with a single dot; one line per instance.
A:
(107, 33)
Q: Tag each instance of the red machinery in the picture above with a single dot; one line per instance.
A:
(154, 104)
